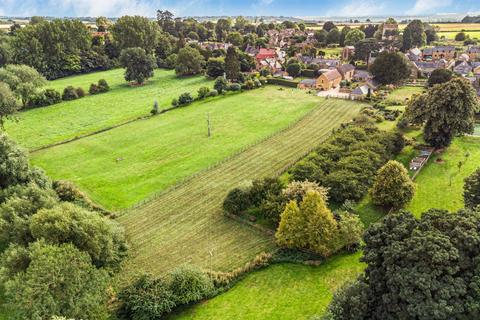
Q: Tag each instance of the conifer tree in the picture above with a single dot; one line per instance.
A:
(232, 64)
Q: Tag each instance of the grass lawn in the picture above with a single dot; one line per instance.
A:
(450, 35)
(123, 166)
(66, 120)
(185, 223)
(282, 291)
(440, 184)
(403, 93)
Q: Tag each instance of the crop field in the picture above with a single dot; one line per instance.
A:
(186, 224)
(123, 166)
(450, 35)
(66, 120)
(282, 291)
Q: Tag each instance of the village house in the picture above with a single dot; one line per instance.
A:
(348, 52)
(463, 68)
(414, 54)
(362, 75)
(329, 80)
(307, 84)
(347, 71)
(425, 68)
(439, 52)
(473, 52)
(361, 91)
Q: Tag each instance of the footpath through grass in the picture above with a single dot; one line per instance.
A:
(123, 166)
(185, 224)
(66, 120)
(281, 291)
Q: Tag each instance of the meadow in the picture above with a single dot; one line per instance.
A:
(281, 291)
(123, 166)
(185, 224)
(66, 120)
(403, 93)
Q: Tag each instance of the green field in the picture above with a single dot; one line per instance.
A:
(440, 184)
(403, 93)
(450, 35)
(123, 166)
(66, 120)
(282, 291)
(185, 223)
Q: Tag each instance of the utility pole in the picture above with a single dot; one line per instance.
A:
(208, 125)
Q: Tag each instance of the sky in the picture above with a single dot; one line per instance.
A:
(299, 8)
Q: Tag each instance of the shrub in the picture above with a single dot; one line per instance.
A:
(45, 98)
(146, 298)
(103, 85)
(471, 190)
(69, 93)
(154, 110)
(213, 93)
(237, 201)
(189, 284)
(93, 89)
(80, 92)
(203, 92)
(175, 102)
(249, 84)
(234, 87)
(220, 85)
(185, 98)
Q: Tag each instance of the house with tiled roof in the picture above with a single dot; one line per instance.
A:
(329, 80)
(347, 71)
(439, 52)
(473, 52)
(362, 75)
(463, 68)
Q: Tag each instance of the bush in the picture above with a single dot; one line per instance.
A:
(185, 98)
(249, 85)
(146, 298)
(189, 284)
(471, 190)
(234, 87)
(220, 85)
(69, 93)
(80, 92)
(154, 110)
(237, 201)
(283, 82)
(203, 92)
(213, 93)
(174, 102)
(45, 98)
(103, 85)
(93, 89)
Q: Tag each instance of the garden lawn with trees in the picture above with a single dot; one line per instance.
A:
(403, 93)
(47, 125)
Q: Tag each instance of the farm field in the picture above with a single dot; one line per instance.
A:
(123, 166)
(66, 120)
(450, 35)
(435, 178)
(281, 291)
(186, 224)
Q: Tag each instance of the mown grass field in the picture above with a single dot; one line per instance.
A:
(185, 224)
(403, 93)
(282, 291)
(123, 166)
(66, 120)
(450, 35)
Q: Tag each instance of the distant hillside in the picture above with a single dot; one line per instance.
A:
(474, 19)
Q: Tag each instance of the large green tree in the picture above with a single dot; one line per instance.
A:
(447, 110)
(414, 35)
(354, 36)
(23, 80)
(136, 32)
(393, 187)
(189, 62)
(8, 103)
(390, 68)
(232, 64)
(139, 66)
(416, 269)
(54, 280)
(54, 48)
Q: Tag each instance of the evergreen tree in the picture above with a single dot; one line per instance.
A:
(232, 64)
(393, 187)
